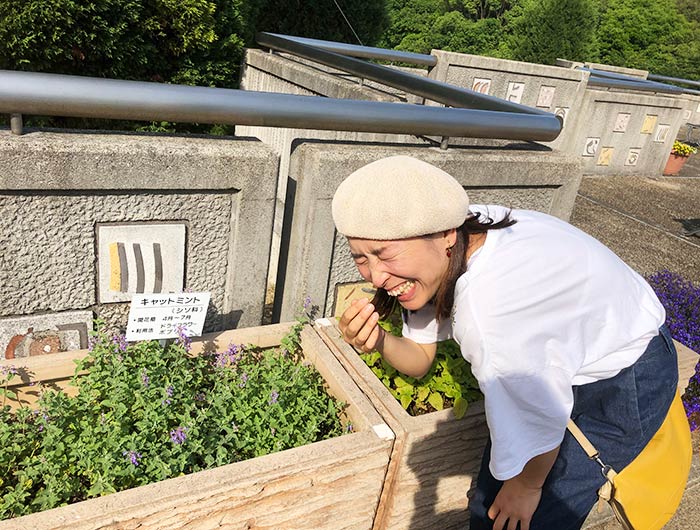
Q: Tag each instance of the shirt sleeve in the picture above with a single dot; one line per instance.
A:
(527, 416)
(422, 327)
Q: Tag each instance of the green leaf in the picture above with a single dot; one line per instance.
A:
(406, 400)
(436, 401)
(460, 407)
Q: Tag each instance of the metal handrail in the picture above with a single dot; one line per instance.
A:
(675, 80)
(617, 80)
(368, 52)
(64, 95)
(421, 86)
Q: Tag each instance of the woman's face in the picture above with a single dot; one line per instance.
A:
(410, 269)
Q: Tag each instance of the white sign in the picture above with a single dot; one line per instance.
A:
(161, 316)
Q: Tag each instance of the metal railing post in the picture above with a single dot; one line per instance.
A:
(16, 124)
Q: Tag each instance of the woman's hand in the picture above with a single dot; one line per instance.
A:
(359, 326)
(515, 503)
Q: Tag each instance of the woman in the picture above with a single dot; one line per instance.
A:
(553, 323)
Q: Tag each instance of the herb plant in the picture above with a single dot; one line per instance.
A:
(682, 149)
(681, 299)
(145, 413)
(449, 383)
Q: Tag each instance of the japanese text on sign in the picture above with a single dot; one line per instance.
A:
(160, 316)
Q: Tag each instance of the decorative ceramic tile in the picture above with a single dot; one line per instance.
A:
(481, 85)
(345, 293)
(605, 157)
(515, 92)
(591, 146)
(649, 124)
(661, 133)
(623, 118)
(687, 114)
(633, 156)
(139, 258)
(546, 96)
(563, 112)
(46, 333)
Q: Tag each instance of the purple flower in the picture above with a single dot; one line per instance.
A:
(199, 396)
(179, 435)
(120, 342)
(169, 391)
(235, 427)
(681, 299)
(244, 380)
(132, 456)
(273, 397)
(349, 428)
(144, 378)
(307, 303)
(93, 342)
(229, 357)
(183, 339)
(8, 370)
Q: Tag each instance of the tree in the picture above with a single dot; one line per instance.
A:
(646, 34)
(322, 19)
(545, 30)
(156, 40)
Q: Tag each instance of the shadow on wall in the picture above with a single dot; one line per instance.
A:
(445, 465)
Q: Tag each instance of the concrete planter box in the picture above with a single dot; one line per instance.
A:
(333, 484)
(435, 456)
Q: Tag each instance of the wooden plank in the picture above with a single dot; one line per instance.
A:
(687, 361)
(435, 455)
(327, 485)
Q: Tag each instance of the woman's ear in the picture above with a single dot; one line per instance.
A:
(450, 236)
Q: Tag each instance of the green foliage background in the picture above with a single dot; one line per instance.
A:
(201, 42)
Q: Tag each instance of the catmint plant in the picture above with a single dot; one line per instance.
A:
(144, 413)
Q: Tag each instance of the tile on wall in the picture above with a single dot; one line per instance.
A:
(515, 92)
(591, 146)
(621, 122)
(481, 85)
(146, 257)
(606, 154)
(633, 156)
(649, 124)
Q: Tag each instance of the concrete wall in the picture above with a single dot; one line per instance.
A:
(56, 190)
(549, 88)
(627, 133)
(273, 72)
(691, 109)
(633, 72)
(317, 258)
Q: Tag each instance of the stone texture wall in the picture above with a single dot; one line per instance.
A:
(55, 187)
(316, 259)
(552, 89)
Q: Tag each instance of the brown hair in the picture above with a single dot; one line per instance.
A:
(444, 298)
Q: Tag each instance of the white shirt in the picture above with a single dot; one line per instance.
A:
(543, 306)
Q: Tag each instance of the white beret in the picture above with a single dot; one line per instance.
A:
(396, 198)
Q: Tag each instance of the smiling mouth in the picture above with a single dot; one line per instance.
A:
(401, 289)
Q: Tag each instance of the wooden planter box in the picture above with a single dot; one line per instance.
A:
(436, 457)
(333, 484)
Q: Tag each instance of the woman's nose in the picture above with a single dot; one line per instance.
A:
(378, 277)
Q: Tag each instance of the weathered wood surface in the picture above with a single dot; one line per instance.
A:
(687, 361)
(333, 484)
(435, 457)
